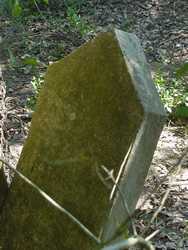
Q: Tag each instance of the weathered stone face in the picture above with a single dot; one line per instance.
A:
(88, 115)
(3, 188)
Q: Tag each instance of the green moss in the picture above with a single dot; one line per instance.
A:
(87, 115)
(3, 188)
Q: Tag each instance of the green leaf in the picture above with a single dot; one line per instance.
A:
(46, 2)
(16, 9)
(12, 59)
(30, 61)
(181, 112)
(183, 70)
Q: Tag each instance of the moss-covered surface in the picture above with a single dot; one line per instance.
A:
(87, 115)
(3, 188)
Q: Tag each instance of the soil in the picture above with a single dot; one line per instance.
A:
(162, 27)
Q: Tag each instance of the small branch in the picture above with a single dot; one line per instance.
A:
(111, 177)
(160, 207)
(3, 117)
(149, 237)
(165, 197)
(122, 167)
(52, 202)
(133, 241)
(36, 5)
(38, 9)
(143, 6)
(179, 183)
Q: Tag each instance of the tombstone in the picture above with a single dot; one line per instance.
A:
(3, 188)
(98, 109)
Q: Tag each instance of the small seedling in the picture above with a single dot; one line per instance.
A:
(12, 59)
(77, 22)
(36, 84)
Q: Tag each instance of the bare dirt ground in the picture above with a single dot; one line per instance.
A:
(169, 173)
(162, 27)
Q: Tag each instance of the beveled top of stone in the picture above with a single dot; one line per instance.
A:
(140, 73)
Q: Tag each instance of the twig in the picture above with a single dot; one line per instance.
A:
(36, 5)
(133, 241)
(3, 117)
(159, 208)
(122, 167)
(178, 165)
(111, 177)
(157, 186)
(179, 183)
(53, 202)
(143, 6)
(149, 237)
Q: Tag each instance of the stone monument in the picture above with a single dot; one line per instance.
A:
(98, 109)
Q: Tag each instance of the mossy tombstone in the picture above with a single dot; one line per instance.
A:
(97, 105)
(3, 188)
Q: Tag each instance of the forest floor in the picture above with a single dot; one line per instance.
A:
(162, 27)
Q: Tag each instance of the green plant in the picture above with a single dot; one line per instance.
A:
(11, 7)
(37, 82)
(15, 7)
(174, 95)
(12, 59)
(127, 24)
(182, 70)
(77, 22)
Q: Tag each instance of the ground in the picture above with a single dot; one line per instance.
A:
(162, 29)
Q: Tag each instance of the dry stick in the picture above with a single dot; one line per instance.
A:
(149, 237)
(53, 202)
(147, 197)
(3, 142)
(111, 177)
(159, 208)
(130, 242)
(38, 9)
(155, 190)
(5, 112)
(122, 168)
(178, 165)
(19, 119)
(179, 183)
